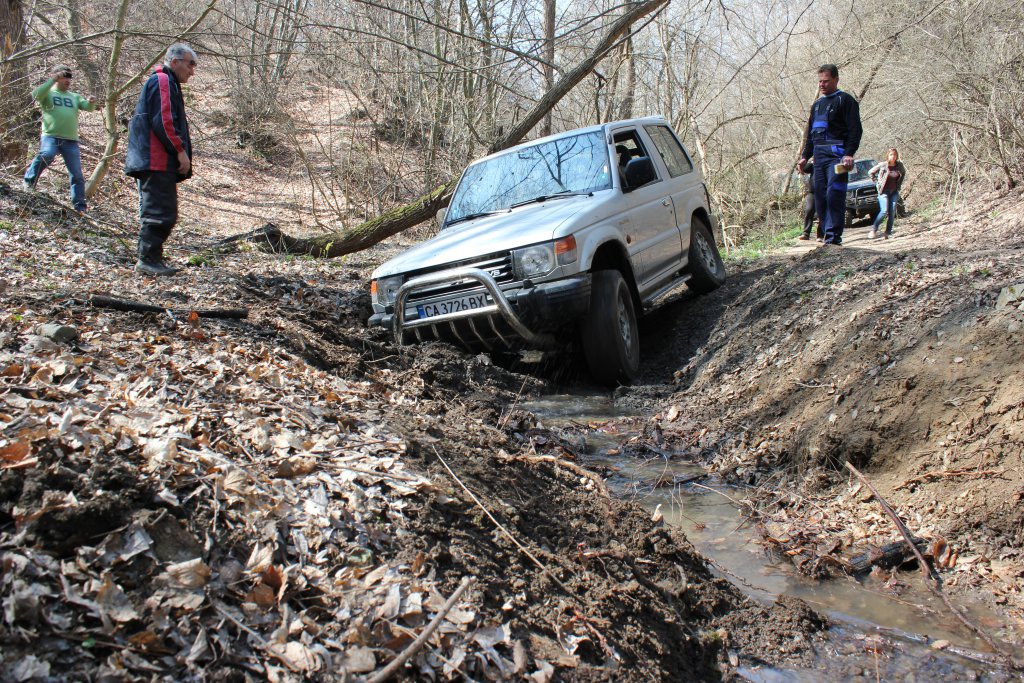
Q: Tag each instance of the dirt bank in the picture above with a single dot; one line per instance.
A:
(898, 356)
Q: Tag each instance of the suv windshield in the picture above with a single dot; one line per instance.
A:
(566, 166)
(861, 168)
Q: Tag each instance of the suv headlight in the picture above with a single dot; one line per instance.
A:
(541, 259)
(384, 290)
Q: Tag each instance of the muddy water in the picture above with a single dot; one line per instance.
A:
(878, 635)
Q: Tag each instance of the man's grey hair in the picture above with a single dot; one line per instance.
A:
(179, 51)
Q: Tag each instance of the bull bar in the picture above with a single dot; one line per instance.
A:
(499, 305)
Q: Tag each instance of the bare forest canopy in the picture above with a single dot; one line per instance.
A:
(378, 104)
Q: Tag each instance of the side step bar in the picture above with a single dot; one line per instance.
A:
(668, 290)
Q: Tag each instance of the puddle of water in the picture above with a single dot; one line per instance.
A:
(877, 633)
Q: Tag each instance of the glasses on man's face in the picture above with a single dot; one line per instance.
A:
(66, 74)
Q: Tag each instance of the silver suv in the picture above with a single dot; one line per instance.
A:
(557, 241)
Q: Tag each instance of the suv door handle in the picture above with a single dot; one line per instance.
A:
(666, 202)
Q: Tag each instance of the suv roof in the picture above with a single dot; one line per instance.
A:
(604, 127)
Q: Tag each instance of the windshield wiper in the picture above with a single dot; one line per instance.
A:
(470, 216)
(545, 197)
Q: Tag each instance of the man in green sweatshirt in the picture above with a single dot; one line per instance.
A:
(60, 132)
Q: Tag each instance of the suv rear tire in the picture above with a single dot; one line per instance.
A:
(611, 340)
(706, 269)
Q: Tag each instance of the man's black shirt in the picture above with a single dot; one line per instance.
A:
(843, 117)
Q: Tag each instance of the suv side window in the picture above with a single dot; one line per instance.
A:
(670, 150)
(628, 146)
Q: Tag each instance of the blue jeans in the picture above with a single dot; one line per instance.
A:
(49, 146)
(830, 191)
(887, 202)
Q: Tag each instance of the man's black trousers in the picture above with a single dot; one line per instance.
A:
(158, 207)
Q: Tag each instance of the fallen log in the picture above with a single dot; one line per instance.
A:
(100, 301)
(888, 556)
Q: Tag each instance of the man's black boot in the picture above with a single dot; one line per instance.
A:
(163, 262)
(149, 262)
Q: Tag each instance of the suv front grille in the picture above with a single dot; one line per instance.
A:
(498, 265)
(866, 191)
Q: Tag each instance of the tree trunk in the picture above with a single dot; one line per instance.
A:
(111, 94)
(404, 217)
(15, 102)
(86, 64)
(629, 97)
(549, 57)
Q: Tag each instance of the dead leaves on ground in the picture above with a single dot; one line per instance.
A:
(273, 497)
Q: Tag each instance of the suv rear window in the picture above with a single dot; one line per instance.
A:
(672, 153)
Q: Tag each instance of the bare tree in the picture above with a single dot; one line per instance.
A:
(549, 56)
(113, 90)
(14, 99)
(370, 232)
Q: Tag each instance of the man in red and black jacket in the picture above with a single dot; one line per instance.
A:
(160, 154)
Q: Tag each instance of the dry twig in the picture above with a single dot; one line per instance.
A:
(942, 475)
(931, 578)
(571, 466)
(502, 528)
(395, 664)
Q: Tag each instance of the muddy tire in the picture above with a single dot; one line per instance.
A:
(706, 269)
(610, 339)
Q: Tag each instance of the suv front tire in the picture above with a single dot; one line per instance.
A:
(611, 340)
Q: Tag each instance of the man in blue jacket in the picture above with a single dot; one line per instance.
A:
(833, 136)
(160, 155)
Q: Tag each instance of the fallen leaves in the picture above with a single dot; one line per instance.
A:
(190, 574)
(15, 455)
(298, 496)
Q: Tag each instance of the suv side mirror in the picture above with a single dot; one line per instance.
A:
(639, 172)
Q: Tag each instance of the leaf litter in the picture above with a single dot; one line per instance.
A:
(189, 497)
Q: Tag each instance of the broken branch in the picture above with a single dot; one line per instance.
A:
(926, 569)
(100, 301)
(931, 579)
(395, 664)
(942, 475)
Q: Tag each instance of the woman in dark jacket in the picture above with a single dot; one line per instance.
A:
(888, 176)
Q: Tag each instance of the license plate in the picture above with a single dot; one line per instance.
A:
(463, 303)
